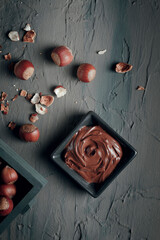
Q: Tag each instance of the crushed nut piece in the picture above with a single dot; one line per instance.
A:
(60, 91)
(123, 67)
(35, 99)
(2, 107)
(47, 100)
(101, 52)
(15, 97)
(34, 117)
(7, 57)
(23, 93)
(27, 27)
(12, 125)
(140, 88)
(14, 36)
(40, 109)
(6, 110)
(3, 96)
(29, 36)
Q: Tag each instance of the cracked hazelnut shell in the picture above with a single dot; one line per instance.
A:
(123, 67)
(47, 100)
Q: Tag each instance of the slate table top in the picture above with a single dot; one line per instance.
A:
(130, 32)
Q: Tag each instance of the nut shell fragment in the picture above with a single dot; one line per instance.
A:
(12, 125)
(140, 88)
(23, 93)
(123, 67)
(35, 99)
(34, 117)
(101, 52)
(4, 109)
(3, 96)
(14, 36)
(15, 97)
(47, 100)
(27, 27)
(60, 91)
(40, 109)
(7, 57)
(29, 36)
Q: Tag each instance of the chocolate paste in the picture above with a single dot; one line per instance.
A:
(93, 153)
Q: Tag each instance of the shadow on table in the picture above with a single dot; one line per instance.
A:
(47, 53)
(66, 127)
(50, 146)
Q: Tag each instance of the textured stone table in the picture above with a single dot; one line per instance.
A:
(130, 31)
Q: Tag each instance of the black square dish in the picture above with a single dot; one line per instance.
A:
(94, 189)
(28, 185)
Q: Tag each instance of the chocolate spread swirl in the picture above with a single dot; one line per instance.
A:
(93, 154)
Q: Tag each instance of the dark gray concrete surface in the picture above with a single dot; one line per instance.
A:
(130, 31)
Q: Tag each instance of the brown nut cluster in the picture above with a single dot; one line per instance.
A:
(8, 177)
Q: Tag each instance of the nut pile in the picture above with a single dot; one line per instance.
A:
(8, 177)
